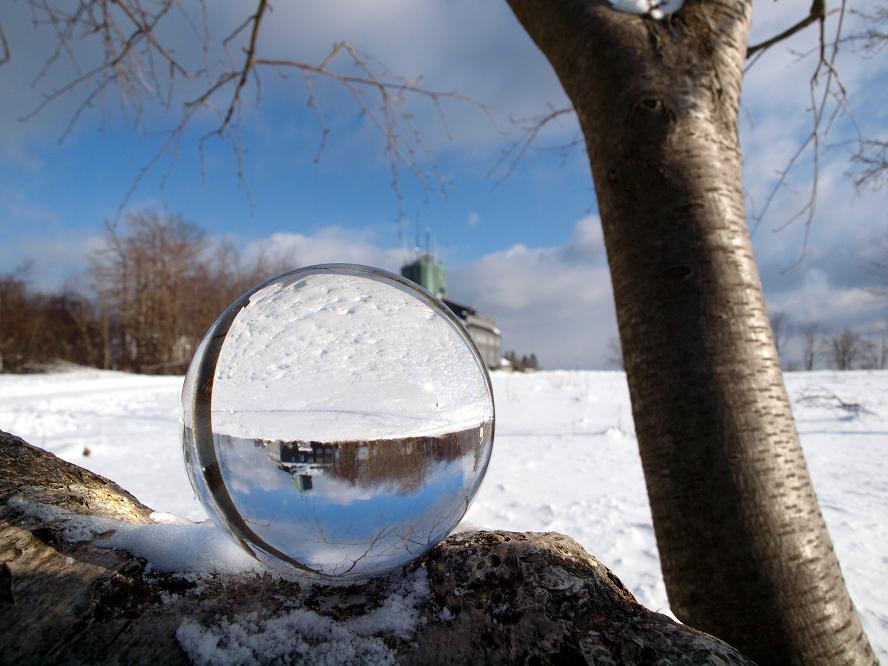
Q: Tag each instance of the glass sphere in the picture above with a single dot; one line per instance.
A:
(338, 419)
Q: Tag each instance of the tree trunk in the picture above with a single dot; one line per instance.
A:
(478, 597)
(736, 519)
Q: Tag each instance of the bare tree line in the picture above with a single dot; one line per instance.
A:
(157, 283)
(844, 349)
(41, 327)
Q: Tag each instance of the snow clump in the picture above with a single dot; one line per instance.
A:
(169, 544)
(656, 9)
(308, 637)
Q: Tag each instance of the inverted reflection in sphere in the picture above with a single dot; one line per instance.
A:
(337, 419)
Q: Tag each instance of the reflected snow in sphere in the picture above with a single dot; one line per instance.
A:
(337, 419)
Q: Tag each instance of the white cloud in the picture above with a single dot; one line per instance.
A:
(816, 274)
(587, 242)
(831, 282)
(548, 300)
(476, 49)
(328, 245)
(817, 301)
(554, 302)
(777, 115)
(56, 262)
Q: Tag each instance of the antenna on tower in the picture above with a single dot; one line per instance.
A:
(416, 245)
(428, 247)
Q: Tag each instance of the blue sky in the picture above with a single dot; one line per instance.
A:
(527, 251)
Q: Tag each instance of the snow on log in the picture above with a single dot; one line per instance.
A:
(69, 593)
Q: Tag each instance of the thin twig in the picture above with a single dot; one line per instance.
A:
(870, 164)
(248, 62)
(148, 31)
(516, 152)
(816, 13)
(825, 86)
(142, 69)
(4, 45)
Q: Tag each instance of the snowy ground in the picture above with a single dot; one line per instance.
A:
(565, 459)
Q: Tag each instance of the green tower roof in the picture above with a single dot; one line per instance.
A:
(427, 272)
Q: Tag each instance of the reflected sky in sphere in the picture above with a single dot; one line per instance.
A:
(337, 419)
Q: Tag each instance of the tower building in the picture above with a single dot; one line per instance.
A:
(429, 273)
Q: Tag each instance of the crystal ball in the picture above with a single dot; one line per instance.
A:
(338, 420)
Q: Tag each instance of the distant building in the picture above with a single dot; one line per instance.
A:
(427, 272)
(484, 332)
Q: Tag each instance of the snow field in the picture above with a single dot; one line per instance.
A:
(565, 459)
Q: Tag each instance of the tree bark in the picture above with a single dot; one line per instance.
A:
(743, 546)
(478, 597)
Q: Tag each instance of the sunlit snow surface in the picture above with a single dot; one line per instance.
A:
(565, 459)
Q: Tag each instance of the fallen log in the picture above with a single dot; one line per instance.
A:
(67, 596)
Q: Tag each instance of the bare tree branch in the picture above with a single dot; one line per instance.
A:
(869, 165)
(4, 48)
(873, 38)
(148, 31)
(513, 154)
(142, 70)
(250, 51)
(816, 13)
(828, 101)
(121, 66)
(869, 158)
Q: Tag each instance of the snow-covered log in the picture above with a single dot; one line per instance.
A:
(500, 597)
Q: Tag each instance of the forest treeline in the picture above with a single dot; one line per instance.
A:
(157, 283)
(151, 292)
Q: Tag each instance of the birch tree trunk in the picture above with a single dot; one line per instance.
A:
(743, 546)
